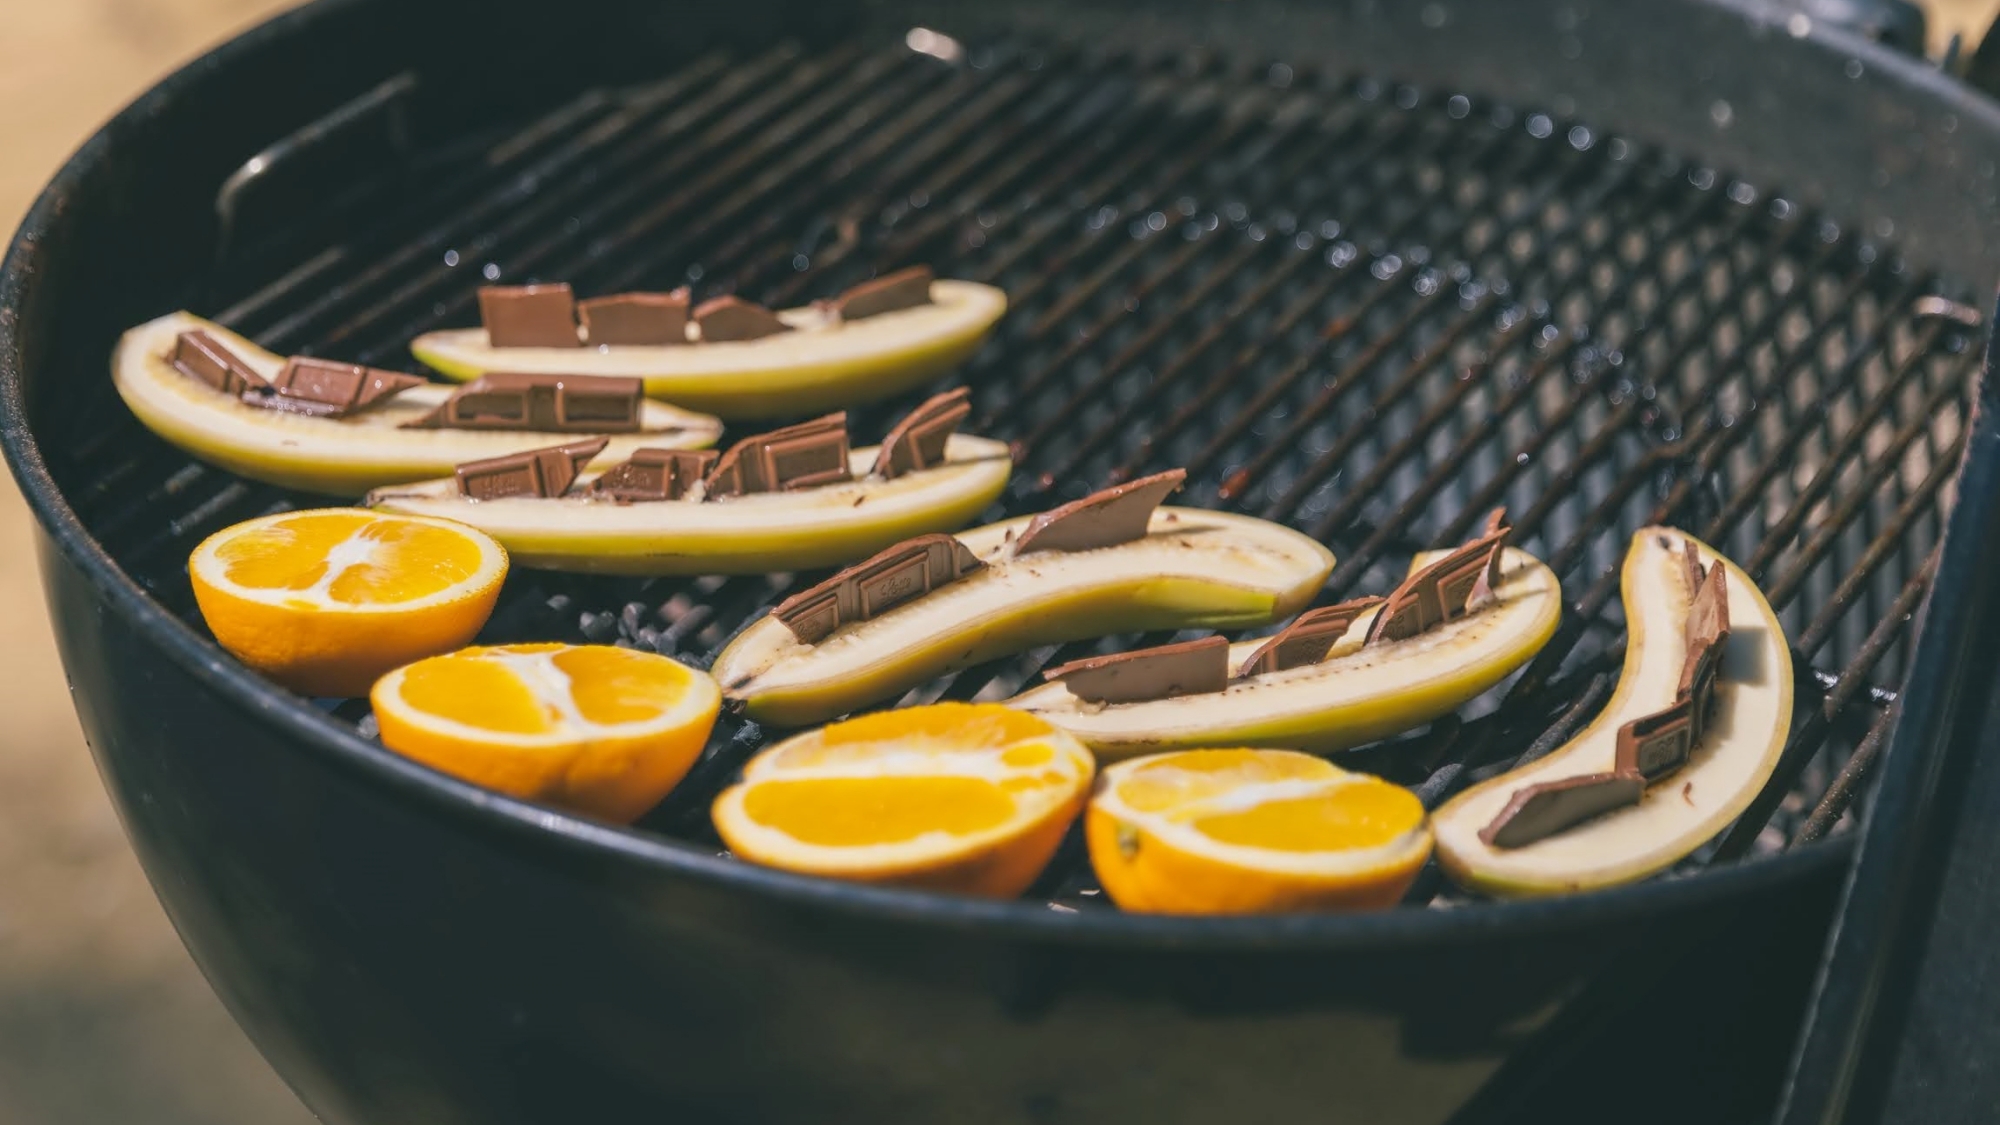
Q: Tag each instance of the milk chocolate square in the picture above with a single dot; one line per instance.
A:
(904, 289)
(641, 319)
(1102, 519)
(529, 316)
(917, 442)
(725, 319)
(1537, 812)
(199, 355)
(1190, 668)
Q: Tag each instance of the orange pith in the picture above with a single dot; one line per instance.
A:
(603, 730)
(968, 797)
(326, 601)
(1251, 831)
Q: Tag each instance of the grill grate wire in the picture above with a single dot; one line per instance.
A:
(1368, 311)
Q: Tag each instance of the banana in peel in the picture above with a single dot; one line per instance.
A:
(340, 456)
(1109, 563)
(1691, 734)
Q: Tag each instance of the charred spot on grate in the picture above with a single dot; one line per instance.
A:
(1371, 312)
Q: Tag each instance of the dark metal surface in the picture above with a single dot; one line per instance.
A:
(1372, 310)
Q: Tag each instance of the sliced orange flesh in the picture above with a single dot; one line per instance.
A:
(602, 730)
(1240, 831)
(326, 601)
(966, 797)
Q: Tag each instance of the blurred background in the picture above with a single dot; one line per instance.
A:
(103, 1019)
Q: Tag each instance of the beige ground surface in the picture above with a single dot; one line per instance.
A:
(102, 1017)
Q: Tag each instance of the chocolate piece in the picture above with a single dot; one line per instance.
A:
(918, 440)
(636, 318)
(803, 456)
(724, 319)
(546, 472)
(1537, 812)
(1443, 591)
(1691, 568)
(654, 474)
(1191, 668)
(1656, 745)
(328, 389)
(904, 289)
(909, 569)
(602, 404)
(1307, 640)
(529, 316)
(1101, 519)
(199, 355)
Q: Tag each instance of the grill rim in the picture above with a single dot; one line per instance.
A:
(307, 729)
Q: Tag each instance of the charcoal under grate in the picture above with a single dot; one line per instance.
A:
(1365, 310)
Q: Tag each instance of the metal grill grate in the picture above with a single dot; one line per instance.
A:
(1365, 310)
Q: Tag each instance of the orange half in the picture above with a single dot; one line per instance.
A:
(1252, 832)
(325, 601)
(964, 797)
(603, 730)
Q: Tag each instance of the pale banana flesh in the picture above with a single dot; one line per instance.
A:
(1745, 735)
(336, 456)
(1192, 568)
(1352, 696)
(815, 527)
(824, 364)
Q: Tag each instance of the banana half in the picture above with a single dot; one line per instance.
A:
(1353, 695)
(1657, 818)
(825, 363)
(751, 534)
(1182, 567)
(337, 456)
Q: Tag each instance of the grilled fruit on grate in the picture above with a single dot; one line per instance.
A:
(325, 601)
(1320, 684)
(1112, 562)
(313, 444)
(1693, 731)
(1251, 832)
(661, 513)
(960, 797)
(822, 362)
(602, 730)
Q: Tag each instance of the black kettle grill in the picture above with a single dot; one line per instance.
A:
(1366, 268)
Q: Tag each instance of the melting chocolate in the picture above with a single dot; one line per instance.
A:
(1537, 812)
(199, 355)
(1101, 519)
(1656, 745)
(529, 316)
(1307, 639)
(917, 442)
(868, 589)
(603, 404)
(1190, 668)
(544, 473)
(636, 318)
(654, 474)
(723, 319)
(803, 456)
(1443, 591)
(904, 289)
(328, 389)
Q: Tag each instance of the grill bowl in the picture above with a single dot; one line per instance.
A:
(405, 947)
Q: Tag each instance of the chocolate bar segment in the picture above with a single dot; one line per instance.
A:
(803, 456)
(1308, 638)
(529, 316)
(544, 473)
(603, 404)
(917, 442)
(328, 389)
(654, 474)
(1101, 519)
(1190, 668)
(1656, 745)
(647, 319)
(908, 570)
(1537, 812)
(724, 319)
(904, 289)
(1443, 591)
(199, 355)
